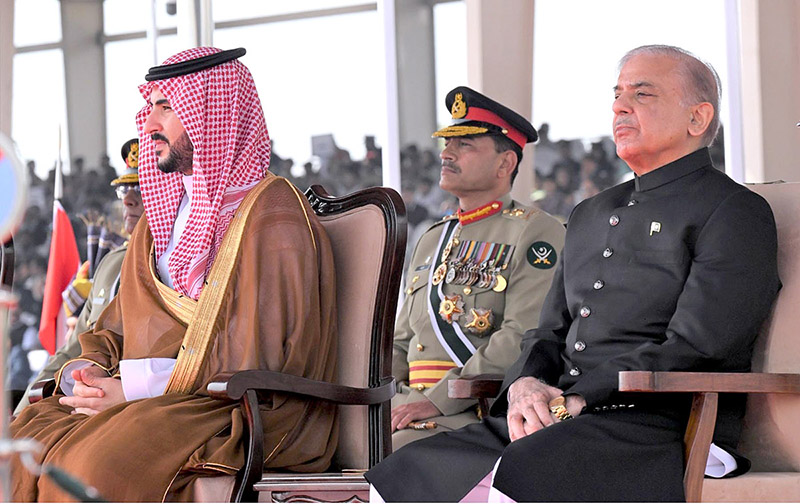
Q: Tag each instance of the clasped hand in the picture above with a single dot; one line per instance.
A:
(528, 409)
(94, 391)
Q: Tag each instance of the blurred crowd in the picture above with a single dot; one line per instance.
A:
(566, 172)
(86, 196)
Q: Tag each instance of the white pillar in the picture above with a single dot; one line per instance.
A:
(770, 100)
(84, 72)
(391, 147)
(500, 65)
(152, 33)
(415, 73)
(206, 24)
(188, 23)
(6, 63)
(732, 95)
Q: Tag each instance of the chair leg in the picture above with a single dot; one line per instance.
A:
(697, 442)
(251, 472)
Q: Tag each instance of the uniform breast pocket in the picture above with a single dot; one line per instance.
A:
(416, 299)
(663, 267)
(674, 256)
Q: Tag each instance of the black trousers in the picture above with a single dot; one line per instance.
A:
(619, 455)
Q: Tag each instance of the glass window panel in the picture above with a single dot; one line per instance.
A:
(127, 63)
(124, 16)
(449, 39)
(228, 10)
(575, 69)
(36, 22)
(37, 111)
(568, 71)
(316, 77)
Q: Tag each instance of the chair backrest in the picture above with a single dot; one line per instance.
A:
(367, 230)
(772, 421)
(7, 264)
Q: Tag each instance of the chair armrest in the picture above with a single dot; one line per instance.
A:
(41, 389)
(679, 381)
(481, 387)
(706, 388)
(484, 386)
(232, 386)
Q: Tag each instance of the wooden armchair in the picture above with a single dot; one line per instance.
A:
(368, 234)
(769, 433)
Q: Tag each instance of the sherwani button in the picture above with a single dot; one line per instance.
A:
(608, 252)
(586, 311)
(580, 346)
(575, 371)
(613, 220)
(599, 284)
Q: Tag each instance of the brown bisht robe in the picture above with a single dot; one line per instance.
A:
(278, 313)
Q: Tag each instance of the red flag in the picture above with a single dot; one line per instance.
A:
(64, 261)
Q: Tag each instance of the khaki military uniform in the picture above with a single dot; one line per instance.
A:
(104, 287)
(421, 364)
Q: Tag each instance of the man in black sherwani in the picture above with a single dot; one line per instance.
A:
(674, 270)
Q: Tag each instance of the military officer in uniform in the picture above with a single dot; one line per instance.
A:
(674, 270)
(105, 282)
(476, 279)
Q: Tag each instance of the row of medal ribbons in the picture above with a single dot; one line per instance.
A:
(479, 264)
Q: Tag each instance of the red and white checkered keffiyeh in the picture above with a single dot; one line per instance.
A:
(221, 112)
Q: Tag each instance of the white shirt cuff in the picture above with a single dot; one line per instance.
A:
(143, 378)
(67, 382)
(719, 462)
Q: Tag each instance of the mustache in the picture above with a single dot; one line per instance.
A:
(451, 165)
(159, 136)
(623, 122)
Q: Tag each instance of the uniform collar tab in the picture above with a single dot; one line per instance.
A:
(480, 213)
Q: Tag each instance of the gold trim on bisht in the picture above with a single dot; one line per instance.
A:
(181, 307)
(200, 334)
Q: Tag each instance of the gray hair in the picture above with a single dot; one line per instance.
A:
(701, 82)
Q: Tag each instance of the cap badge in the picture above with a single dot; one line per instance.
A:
(133, 156)
(459, 108)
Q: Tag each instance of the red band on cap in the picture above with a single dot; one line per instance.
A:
(487, 116)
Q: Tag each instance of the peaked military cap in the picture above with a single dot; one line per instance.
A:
(477, 114)
(193, 65)
(130, 154)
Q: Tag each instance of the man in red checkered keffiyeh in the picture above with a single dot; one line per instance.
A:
(229, 270)
(208, 124)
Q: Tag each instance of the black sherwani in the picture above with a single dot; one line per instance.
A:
(675, 270)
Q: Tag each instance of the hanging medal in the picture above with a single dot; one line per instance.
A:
(441, 270)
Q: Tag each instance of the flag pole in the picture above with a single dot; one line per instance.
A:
(58, 190)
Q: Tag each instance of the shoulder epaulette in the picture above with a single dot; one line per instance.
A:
(519, 212)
